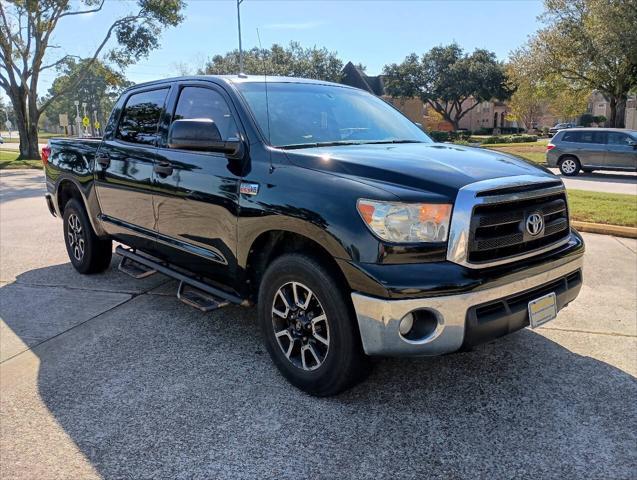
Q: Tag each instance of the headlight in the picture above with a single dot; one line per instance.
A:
(406, 222)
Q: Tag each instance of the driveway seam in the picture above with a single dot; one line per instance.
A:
(592, 332)
(624, 245)
(108, 310)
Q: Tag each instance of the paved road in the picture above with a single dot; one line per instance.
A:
(107, 377)
(613, 182)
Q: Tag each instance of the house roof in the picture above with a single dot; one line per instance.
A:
(356, 77)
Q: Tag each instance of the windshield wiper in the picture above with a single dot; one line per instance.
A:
(344, 142)
(395, 141)
(319, 144)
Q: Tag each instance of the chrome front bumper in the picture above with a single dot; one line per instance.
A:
(378, 318)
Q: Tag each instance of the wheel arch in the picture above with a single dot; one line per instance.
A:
(271, 244)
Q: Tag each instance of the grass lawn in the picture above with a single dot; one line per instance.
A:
(8, 161)
(533, 151)
(608, 208)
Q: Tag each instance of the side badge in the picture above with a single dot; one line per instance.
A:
(249, 188)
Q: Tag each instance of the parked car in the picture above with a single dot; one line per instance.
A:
(591, 149)
(1, 140)
(353, 233)
(560, 126)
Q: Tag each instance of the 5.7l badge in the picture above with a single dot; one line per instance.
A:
(249, 188)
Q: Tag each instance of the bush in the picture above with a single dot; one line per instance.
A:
(439, 136)
(509, 139)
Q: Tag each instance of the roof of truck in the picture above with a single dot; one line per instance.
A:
(240, 79)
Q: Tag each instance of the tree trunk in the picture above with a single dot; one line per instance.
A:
(617, 112)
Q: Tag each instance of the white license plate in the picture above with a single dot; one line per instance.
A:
(542, 310)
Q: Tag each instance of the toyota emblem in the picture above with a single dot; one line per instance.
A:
(534, 224)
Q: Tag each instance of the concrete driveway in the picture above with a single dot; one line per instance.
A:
(107, 377)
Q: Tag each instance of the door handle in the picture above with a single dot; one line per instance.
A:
(103, 159)
(163, 169)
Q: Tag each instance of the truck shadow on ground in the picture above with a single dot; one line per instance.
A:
(155, 389)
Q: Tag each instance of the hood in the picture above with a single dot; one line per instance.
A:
(432, 167)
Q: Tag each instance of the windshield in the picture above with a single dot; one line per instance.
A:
(306, 115)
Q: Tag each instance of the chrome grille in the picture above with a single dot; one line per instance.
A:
(498, 230)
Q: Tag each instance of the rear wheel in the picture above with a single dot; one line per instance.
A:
(87, 252)
(307, 326)
(569, 166)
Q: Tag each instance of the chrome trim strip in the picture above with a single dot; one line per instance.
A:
(378, 318)
(468, 198)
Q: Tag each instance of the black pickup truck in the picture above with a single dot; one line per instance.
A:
(353, 233)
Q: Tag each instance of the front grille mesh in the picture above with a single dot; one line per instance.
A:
(498, 230)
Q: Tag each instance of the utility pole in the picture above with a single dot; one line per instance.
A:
(239, 2)
(77, 117)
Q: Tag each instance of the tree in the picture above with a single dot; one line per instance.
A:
(291, 61)
(99, 89)
(537, 94)
(26, 28)
(590, 44)
(449, 80)
(6, 113)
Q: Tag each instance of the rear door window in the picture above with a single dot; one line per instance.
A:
(141, 117)
(616, 138)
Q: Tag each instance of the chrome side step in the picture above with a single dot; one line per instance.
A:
(135, 269)
(199, 299)
(192, 290)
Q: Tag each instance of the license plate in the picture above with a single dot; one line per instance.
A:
(542, 310)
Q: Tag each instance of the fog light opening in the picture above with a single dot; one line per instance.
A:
(418, 325)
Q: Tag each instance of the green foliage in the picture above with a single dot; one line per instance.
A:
(440, 136)
(589, 44)
(446, 78)
(28, 26)
(509, 139)
(586, 120)
(99, 89)
(290, 61)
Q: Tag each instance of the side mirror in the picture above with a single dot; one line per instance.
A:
(202, 134)
(632, 143)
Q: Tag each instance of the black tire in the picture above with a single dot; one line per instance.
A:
(343, 362)
(87, 252)
(569, 166)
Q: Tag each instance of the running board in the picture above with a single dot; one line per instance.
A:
(135, 269)
(200, 295)
(199, 299)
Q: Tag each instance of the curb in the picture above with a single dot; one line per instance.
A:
(616, 230)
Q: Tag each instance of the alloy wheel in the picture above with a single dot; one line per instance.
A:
(75, 235)
(569, 166)
(300, 326)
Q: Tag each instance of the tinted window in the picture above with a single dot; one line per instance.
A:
(616, 138)
(199, 102)
(583, 137)
(141, 117)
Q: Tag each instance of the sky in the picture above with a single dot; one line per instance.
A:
(373, 33)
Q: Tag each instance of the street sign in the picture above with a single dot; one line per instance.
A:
(64, 120)
(8, 124)
(86, 122)
(96, 125)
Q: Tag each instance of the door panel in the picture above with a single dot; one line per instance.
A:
(196, 204)
(124, 168)
(619, 154)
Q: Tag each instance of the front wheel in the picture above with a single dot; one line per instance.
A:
(569, 166)
(307, 326)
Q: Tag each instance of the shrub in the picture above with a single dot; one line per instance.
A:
(438, 136)
(509, 139)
